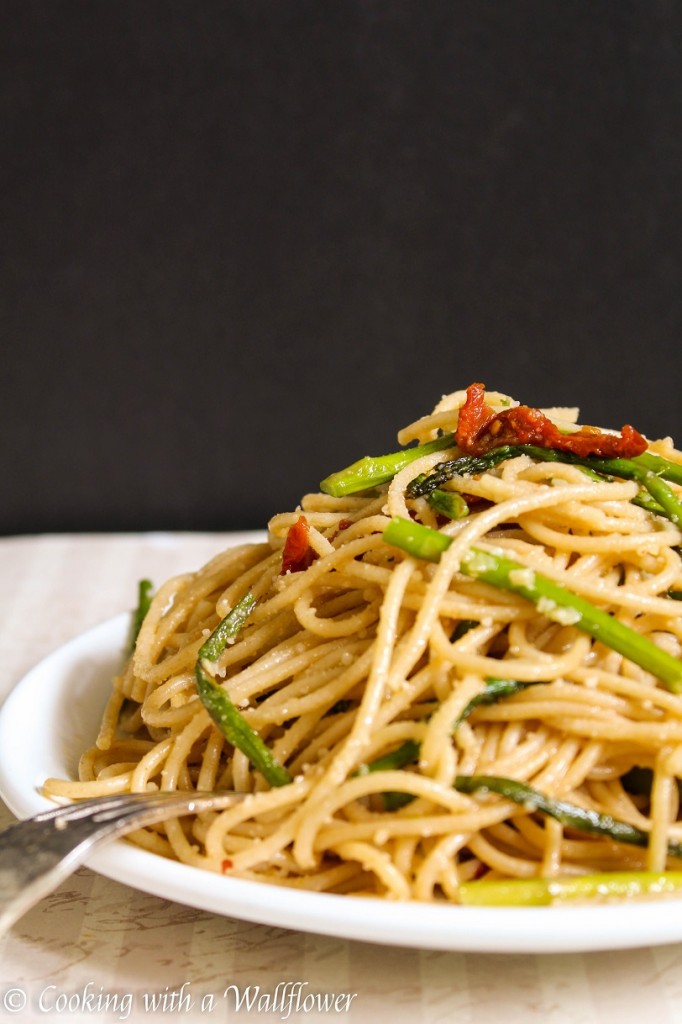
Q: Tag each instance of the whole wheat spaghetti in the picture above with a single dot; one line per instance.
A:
(453, 666)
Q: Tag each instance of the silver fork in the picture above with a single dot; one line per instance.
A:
(39, 853)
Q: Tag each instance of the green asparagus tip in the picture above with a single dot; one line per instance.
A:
(227, 629)
(372, 471)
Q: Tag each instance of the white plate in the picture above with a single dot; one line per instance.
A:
(53, 714)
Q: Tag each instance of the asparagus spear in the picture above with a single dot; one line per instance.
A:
(661, 467)
(569, 815)
(145, 590)
(408, 752)
(540, 892)
(464, 465)
(227, 629)
(374, 470)
(448, 503)
(224, 713)
(650, 471)
(550, 598)
(467, 465)
(415, 539)
(495, 689)
(644, 500)
(462, 628)
(405, 754)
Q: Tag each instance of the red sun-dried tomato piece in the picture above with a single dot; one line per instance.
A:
(297, 554)
(482, 429)
(474, 416)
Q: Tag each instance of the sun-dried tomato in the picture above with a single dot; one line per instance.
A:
(474, 417)
(297, 554)
(480, 429)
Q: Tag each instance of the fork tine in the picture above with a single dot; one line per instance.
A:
(160, 805)
(37, 854)
(107, 807)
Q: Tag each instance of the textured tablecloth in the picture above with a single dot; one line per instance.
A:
(95, 940)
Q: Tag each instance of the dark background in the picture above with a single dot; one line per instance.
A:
(243, 242)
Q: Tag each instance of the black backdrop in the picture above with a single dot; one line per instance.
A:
(245, 241)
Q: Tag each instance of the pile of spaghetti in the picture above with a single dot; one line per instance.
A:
(452, 674)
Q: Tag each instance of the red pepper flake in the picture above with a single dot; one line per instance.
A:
(297, 554)
(343, 524)
(226, 865)
(480, 429)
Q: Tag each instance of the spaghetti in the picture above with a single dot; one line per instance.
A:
(434, 673)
